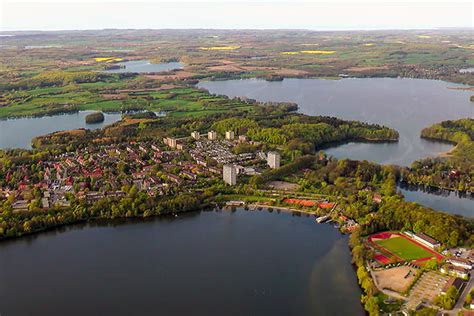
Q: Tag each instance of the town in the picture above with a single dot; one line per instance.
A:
(157, 168)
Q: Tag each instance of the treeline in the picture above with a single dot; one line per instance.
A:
(459, 131)
(56, 78)
(396, 214)
(317, 134)
(69, 139)
(135, 204)
(455, 171)
(284, 171)
(359, 256)
(237, 125)
(300, 134)
(441, 173)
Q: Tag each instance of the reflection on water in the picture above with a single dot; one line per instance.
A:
(18, 133)
(343, 279)
(220, 262)
(143, 66)
(441, 200)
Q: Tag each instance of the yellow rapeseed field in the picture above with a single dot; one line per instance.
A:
(317, 52)
(108, 59)
(220, 47)
(320, 52)
(423, 36)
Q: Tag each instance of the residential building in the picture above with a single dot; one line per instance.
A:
(212, 135)
(377, 198)
(230, 174)
(273, 160)
(456, 271)
(171, 142)
(460, 262)
(195, 135)
(242, 138)
(229, 135)
(456, 282)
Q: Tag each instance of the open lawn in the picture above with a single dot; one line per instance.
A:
(403, 248)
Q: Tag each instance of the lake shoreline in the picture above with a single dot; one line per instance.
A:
(398, 103)
(164, 244)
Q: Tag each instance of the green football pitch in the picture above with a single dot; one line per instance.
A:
(404, 248)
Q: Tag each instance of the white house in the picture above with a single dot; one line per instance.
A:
(456, 271)
(460, 262)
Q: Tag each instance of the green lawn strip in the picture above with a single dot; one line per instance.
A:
(245, 198)
(108, 105)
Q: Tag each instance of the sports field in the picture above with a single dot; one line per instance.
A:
(403, 248)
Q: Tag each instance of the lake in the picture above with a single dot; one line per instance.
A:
(18, 133)
(442, 200)
(144, 66)
(203, 263)
(407, 105)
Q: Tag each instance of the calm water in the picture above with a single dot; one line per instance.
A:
(446, 201)
(207, 263)
(408, 105)
(144, 66)
(18, 133)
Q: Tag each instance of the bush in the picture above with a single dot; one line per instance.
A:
(96, 117)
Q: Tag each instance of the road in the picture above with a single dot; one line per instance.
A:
(464, 293)
(459, 304)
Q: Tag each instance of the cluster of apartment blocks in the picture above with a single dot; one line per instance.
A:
(211, 135)
(229, 171)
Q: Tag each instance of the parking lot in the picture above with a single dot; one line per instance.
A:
(426, 288)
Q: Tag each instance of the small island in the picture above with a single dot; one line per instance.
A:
(96, 117)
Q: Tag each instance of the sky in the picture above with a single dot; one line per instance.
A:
(232, 14)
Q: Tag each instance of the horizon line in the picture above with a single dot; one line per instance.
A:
(244, 29)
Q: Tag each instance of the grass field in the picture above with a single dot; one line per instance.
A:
(404, 248)
(179, 101)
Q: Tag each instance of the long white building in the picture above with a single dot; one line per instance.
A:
(426, 240)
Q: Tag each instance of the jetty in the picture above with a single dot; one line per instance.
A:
(322, 219)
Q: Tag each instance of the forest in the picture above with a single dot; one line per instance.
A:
(454, 171)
